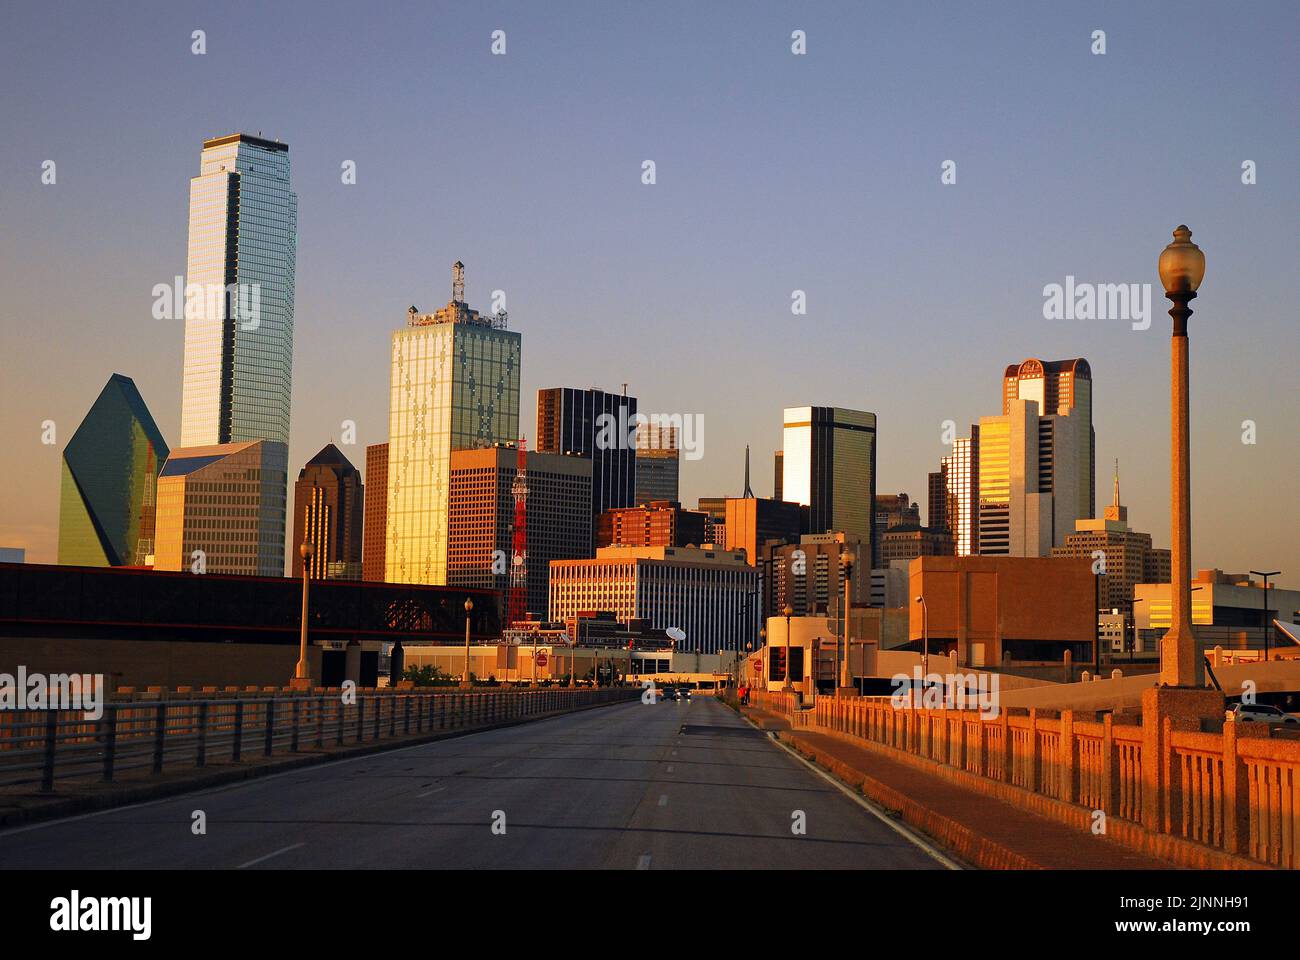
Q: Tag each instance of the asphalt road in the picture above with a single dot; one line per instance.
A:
(634, 786)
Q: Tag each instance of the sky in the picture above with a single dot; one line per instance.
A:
(774, 172)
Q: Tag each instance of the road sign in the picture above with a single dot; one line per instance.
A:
(541, 658)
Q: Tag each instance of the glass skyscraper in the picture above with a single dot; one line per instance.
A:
(110, 476)
(239, 294)
(829, 465)
(454, 386)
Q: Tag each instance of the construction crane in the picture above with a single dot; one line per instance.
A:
(516, 607)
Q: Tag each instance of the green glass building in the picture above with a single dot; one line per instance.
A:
(110, 481)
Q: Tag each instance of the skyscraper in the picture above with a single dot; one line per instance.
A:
(223, 505)
(243, 238)
(960, 472)
(1015, 514)
(600, 426)
(375, 527)
(327, 510)
(658, 462)
(454, 386)
(109, 481)
(829, 465)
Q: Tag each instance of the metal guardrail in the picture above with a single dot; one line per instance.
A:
(41, 747)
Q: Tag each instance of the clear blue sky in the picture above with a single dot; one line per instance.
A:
(775, 172)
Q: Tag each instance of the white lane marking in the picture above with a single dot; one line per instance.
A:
(253, 782)
(643, 862)
(674, 753)
(429, 793)
(499, 763)
(932, 851)
(670, 768)
(663, 799)
(274, 853)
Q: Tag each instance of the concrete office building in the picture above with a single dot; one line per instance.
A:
(1015, 514)
(754, 522)
(809, 575)
(599, 426)
(454, 386)
(907, 541)
(1228, 610)
(482, 511)
(706, 593)
(658, 463)
(109, 481)
(659, 523)
(223, 507)
(959, 500)
(829, 465)
(328, 506)
(375, 526)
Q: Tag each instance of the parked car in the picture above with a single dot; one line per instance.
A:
(1261, 713)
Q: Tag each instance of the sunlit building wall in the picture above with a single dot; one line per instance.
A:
(829, 465)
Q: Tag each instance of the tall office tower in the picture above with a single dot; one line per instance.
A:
(1015, 515)
(754, 522)
(239, 333)
(482, 511)
(960, 471)
(599, 426)
(1067, 442)
(1129, 557)
(715, 531)
(375, 527)
(328, 502)
(830, 467)
(243, 239)
(777, 484)
(937, 499)
(659, 523)
(109, 482)
(455, 386)
(221, 509)
(658, 463)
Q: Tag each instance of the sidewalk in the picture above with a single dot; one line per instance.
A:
(982, 831)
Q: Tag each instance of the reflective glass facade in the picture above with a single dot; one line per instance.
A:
(829, 465)
(454, 386)
(239, 294)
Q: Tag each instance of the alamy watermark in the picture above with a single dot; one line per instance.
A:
(618, 432)
(1098, 301)
(946, 691)
(212, 301)
(55, 691)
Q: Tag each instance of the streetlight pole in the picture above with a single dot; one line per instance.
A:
(788, 611)
(1270, 573)
(1181, 268)
(925, 644)
(846, 673)
(469, 606)
(302, 673)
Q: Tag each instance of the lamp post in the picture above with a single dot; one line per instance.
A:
(925, 645)
(301, 673)
(469, 606)
(1181, 268)
(787, 611)
(1266, 575)
(573, 661)
(846, 673)
(767, 658)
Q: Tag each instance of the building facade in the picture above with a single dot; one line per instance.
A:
(960, 472)
(482, 511)
(221, 509)
(658, 463)
(659, 523)
(454, 386)
(328, 507)
(374, 528)
(809, 575)
(708, 594)
(907, 541)
(109, 481)
(829, 465)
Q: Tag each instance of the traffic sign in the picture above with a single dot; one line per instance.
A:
(541, 658)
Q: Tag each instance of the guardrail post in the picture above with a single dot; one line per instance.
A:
(379, 709)
(270, 727)
(237, 748)
(320, 723)
(1109, 780)
(51, 735)
(1035, 755)
(342, 712)
(1069, 763)
(159, 733)
(201, 752)
(109, 723)
(361, 719)
(1236, 795)
(296, 708)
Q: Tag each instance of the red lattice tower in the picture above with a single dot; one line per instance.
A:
(517, 604)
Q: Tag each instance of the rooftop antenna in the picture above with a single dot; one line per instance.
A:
(458, 282)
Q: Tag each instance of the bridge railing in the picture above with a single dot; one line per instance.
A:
(1237, 791)
(135, 737)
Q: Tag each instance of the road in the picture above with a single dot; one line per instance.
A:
(634, 786)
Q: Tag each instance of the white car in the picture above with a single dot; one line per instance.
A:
(1261, 713)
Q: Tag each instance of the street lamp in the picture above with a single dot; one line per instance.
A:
(1181, 267)
(847, 560)
(469, 606)
(301, 674)
(1270, 573)
(925, 644)
(788, 611)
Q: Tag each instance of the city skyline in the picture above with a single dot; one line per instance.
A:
(1240, 325)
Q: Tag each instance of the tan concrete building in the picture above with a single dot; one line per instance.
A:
(376, 512)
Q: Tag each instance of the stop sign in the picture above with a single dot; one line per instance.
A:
(541, 658)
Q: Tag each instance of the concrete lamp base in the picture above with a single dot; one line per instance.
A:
(301, 683)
